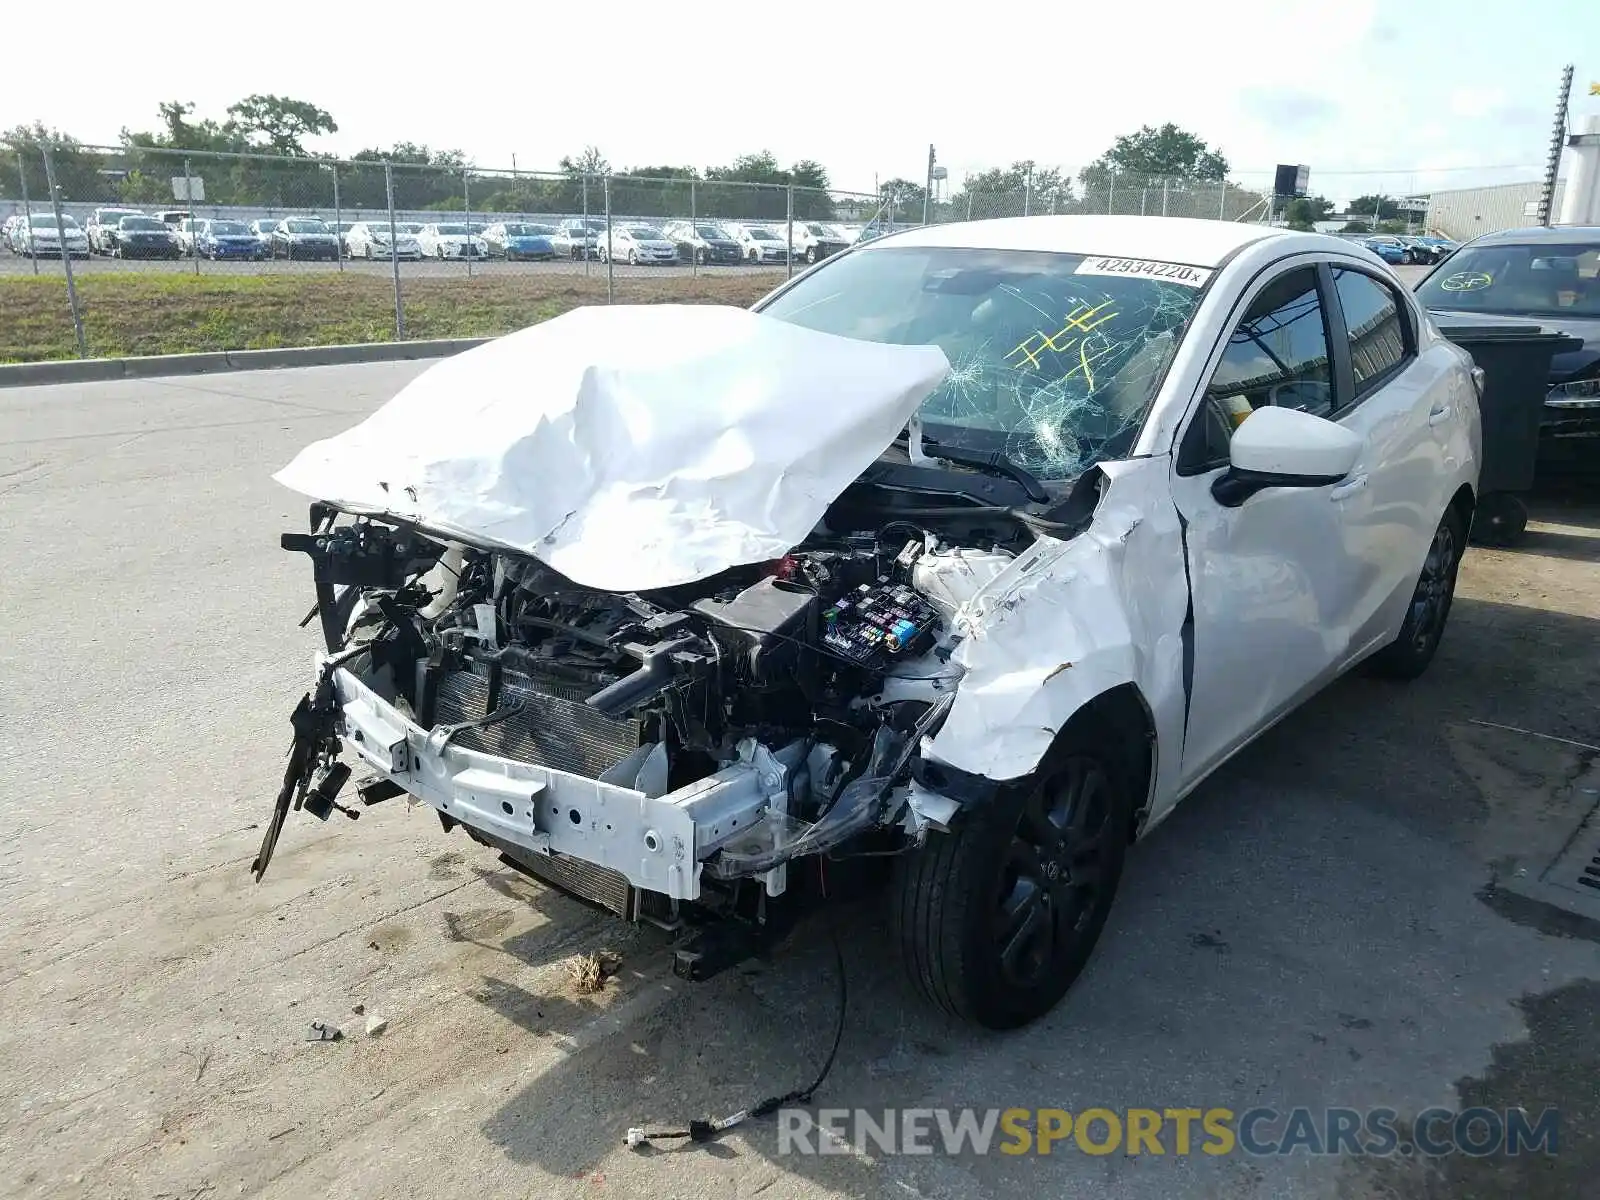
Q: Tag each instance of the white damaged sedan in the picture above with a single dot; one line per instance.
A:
(961, 559)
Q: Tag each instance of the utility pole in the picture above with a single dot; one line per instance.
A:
(1558, 139)
(927, 190)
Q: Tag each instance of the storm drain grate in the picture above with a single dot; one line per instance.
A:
(1577, 868)
(1591, 873)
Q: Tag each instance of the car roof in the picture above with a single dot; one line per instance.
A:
(1554, 235)
(1192, 240)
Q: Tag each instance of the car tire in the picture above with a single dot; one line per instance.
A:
(1499, 520)
(989, 920)
(699, 258)
(811, 254)
(633, 258)
(1410, 653)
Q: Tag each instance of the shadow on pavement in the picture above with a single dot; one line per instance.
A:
(1305, 930)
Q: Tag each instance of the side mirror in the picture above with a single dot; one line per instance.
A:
(1284, 447)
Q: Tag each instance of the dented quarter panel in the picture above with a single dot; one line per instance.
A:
(1068, 621)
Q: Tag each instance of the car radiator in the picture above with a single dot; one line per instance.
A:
(553, 728)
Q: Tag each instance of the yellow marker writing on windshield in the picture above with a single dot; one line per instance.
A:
(1080, 320)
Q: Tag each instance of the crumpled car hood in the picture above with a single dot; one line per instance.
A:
(629, 447)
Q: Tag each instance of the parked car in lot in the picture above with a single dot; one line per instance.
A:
(222, 240)
(987, 670)
(577, 237)
(8, 229)
(370, 239)
(637, 245)
(703, 242)
(143, 237)
(1442, 247)
(451, 240)
(173, 218)
(304, 238)
(262, 228)
(1551, 277)
(518, 241)
(188, 231)
(1389, 249)
(815, 240)
(40, 237)
(342, 229)
(1422, 250)
(758, 245)
(881, 227)
(102, 227)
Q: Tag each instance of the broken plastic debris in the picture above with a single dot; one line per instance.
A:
(777, 837)
(321, 1031)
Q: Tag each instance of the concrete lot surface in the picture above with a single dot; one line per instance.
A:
(1326, 922)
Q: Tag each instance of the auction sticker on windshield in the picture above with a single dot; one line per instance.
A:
(1170, 272)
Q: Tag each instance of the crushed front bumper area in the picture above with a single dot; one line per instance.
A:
(624, 821)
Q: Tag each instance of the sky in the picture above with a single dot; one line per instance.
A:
(1395, 96)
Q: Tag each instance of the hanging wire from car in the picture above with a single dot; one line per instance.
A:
(705, 1129)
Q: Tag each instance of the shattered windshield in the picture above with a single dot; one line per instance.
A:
(1052, 362)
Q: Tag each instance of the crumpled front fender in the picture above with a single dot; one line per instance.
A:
(1068, 621)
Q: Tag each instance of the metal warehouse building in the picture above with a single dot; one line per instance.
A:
(1469, 212)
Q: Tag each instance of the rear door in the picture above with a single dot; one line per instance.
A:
(1401, 404)
(1274, 586)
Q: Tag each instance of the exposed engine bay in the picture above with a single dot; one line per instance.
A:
(655, 751)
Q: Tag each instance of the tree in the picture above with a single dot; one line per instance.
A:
(79, 170)
(590, 162)
(755, 187)
(1305, 211)
(1166, 153)
(280, 122)
(1382, 208)
(652, 191)
(1355, 227)
(903, 196)
(1007, 192)
(180, 133)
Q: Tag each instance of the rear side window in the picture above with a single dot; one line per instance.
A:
(1373, 320)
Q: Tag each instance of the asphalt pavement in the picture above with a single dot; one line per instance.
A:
(1328, 921)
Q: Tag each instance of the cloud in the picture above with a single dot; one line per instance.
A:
(1473, 103)
(1287, 108)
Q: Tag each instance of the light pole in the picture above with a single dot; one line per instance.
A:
(927, 190)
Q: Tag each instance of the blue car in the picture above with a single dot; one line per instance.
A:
(521, 242)
(229, 239)
(1388, 249)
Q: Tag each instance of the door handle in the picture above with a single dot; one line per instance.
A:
(1439, 413)
(1349, 487)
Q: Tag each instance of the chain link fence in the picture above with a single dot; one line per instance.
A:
(1113, 193)
(136, 250)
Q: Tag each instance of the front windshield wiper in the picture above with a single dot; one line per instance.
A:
(992, 462)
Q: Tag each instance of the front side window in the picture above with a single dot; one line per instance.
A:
(1372, 320)
(1052, 364)
(1277, 355)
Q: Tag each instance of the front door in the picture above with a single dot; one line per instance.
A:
(1273, 591)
